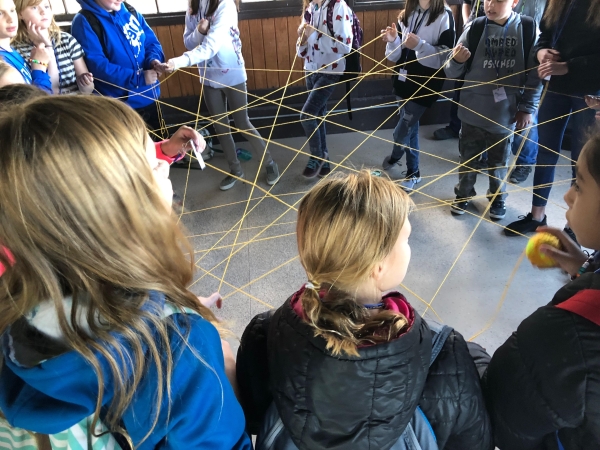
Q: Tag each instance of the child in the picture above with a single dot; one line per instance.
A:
(98, 325)
(489, 112)
(36, 73)
(426, 30)
(9, 75)
(324, 37)
(213, 40)
(72, 72)
(543, 382)
(346, 359)
(122, 52)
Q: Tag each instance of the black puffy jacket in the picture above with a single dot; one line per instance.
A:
(360, 402)
(546, 378)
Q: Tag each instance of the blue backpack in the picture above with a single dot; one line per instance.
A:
(418, 435)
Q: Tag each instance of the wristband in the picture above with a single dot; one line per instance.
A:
(41, 63)
(583, 268)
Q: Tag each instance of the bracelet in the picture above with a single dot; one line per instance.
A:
(41, 63)
(583, 268)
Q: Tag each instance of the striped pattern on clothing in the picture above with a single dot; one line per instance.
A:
(15, 438)
(66, 51)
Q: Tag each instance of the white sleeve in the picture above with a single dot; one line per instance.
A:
(192, 38)
(434, 56)
(393, 50)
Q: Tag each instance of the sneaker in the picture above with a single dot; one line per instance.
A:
(411, 180)
(459, 206)
(498, 209)
(519, 174)
(313, 167)
(392, 170)
(229, 181)
(443, 134)
(525, 225)
(571, 234)
(272, 173)
(325, 170)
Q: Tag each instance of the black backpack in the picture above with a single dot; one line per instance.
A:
(478, 27)
(97, 25)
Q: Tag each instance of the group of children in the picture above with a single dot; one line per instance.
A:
(104, 346)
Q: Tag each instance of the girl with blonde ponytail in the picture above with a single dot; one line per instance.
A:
(344, 362)
(97, 324)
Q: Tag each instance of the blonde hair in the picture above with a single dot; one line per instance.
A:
(83, 216)
(346, 226)
(22, 34)
(556, 8)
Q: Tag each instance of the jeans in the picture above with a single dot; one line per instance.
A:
(150, 115)
(217, 100)
(551, 136)
(406, 135)
(528, 154)
(320, 86)
(472, 143)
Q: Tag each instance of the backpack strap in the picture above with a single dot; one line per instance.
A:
(529, 36)
(439, 336)
(585, 303)
(97, 26)
(475, 32)
(330, 6)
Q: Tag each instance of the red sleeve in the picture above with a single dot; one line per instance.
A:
(161, 155)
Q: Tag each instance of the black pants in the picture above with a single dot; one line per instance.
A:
(150, 115)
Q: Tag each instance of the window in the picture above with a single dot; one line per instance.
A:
(143, 6)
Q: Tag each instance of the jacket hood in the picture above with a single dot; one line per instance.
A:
(44, 386)
(91, 5)
(340, 402)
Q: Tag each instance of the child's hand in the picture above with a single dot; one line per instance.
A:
(39, 53)
(157, 66)
(179, 142)
(150, 76)
(85, 82)
(461, 54)
(547, 54)
(593, 101)
(523, 120)
(37, 36)
(569, 257)
(203, 26)
(213, 299)
(412, 40)
(390, 34)
(550, 68)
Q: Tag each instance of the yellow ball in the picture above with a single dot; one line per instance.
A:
(537, 258)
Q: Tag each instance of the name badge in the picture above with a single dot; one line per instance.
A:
(499, 94)
(402, 74)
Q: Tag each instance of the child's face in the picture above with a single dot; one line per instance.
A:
(40, 15)
(583, 200)
(499, 10)
(9, 21)
(160, 169)
(392, 270)
(110, 5)
(11, 76)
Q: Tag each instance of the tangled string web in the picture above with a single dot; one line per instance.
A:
(463, 272)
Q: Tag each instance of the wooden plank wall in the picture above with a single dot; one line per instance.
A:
(269, 49)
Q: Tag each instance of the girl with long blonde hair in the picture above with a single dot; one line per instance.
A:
(97, 322)
(68, 70)
(344, 362)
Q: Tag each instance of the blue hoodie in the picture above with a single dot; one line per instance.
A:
(59, 392)
(38, 78)
(128, 56)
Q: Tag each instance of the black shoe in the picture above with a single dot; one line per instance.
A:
(571, 234)
(459, 206)
(519, 174)
(497, 210)
(526, 225)
(326, 168)
(443, 134)
(313, 167)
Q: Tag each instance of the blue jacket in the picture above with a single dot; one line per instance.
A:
(127, 58)
(55, 394)
(38, 78)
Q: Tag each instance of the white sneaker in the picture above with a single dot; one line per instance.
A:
(409, 183)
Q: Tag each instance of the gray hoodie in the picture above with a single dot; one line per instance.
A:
(523, 89)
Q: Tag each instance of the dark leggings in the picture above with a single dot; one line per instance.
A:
(551, 136)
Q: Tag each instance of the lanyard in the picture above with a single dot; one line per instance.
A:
(561, 26)
(489, 48)
(15, 59)
(416, 23)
